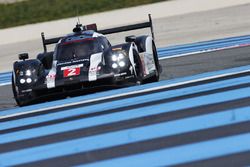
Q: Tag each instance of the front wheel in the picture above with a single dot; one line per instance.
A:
(14, 91)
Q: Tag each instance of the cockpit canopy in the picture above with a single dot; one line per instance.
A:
(80, 47)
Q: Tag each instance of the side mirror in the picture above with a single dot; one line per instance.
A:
(131, 38)
(23, 56)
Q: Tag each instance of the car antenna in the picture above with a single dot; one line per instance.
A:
(78, 24)
(78, 18)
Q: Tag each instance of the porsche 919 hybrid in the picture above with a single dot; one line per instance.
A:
(85, 59)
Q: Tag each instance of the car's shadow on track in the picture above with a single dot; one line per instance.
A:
(74, 93)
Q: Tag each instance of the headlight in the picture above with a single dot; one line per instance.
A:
(114, 65)
(118, 60)
(114, 58)
(28, 80)
(22, 81)
(117, 57)
(121, 63)
(120, 56)
(21, 73)
(28, 73)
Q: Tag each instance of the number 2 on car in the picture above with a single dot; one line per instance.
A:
(71, 70)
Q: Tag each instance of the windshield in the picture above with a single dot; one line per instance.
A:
(77, 49)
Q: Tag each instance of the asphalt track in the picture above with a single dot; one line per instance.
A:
(160, 127)
(175, 68)
(132, 134)
(204, 123)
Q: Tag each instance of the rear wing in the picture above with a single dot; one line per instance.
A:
(148, 24)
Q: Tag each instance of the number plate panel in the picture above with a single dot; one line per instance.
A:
(73, 70)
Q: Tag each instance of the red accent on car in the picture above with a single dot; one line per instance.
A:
(76, 41)
(71, 72)
(91, 27)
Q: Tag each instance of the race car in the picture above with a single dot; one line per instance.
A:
(85, 59)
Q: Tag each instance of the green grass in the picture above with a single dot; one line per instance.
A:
(33, 11)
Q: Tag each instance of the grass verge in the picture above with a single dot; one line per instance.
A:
(34, 11)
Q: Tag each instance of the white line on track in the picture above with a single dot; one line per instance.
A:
(202, 51)
(6, 83)
(124, 94)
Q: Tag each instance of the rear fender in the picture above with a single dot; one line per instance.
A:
(145, 48)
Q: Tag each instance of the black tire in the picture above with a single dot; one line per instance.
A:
(138, 68)
(14, 91)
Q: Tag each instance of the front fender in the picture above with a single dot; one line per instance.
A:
(27, 73)
(118, 58)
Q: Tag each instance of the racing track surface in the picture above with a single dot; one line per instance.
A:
(158, 126)
(196, 120)
(174, 68)
(192, 121)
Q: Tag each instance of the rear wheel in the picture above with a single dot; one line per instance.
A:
(156, 77)
(138, 68)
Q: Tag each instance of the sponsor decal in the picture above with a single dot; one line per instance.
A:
(52, 76)
(128, 77)
(73, 70)
(95, 60)
(115, 49)
(95, 69)
(74, 61)
(121, 74)
(27, 90)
